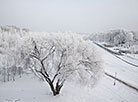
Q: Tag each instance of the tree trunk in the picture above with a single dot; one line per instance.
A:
(55, 90)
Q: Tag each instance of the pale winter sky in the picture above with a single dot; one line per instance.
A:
(70, 15)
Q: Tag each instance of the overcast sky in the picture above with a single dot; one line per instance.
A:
(70, 15)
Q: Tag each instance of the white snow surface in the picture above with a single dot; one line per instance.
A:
(125, 72)
(131, 58)
(30, 89)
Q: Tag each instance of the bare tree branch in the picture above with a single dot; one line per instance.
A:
(34, 56)
(52, 50)
(61, 58)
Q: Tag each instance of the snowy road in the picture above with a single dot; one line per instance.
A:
(125, 71)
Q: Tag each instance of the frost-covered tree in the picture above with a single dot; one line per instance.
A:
(119, 38)
(11, 61)
(56, 58)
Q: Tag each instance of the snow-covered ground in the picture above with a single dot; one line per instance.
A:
(125, 71)
(29, 89)
(131, 58)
